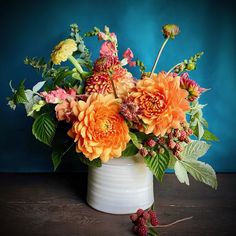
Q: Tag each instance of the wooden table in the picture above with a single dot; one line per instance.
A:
(54, 204)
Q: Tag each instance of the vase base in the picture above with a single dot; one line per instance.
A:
(119, 211)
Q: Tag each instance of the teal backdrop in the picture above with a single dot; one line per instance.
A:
(33, 28)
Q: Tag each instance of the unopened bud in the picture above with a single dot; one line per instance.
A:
(170, 31)
(151, 143)
(143, 152)
(191, 66)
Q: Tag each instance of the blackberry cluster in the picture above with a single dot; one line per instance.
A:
(173, 141)
(142, 220)
(176, 137)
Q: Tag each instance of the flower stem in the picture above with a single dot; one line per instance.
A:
(173, 223)
(76, 64)
(158, 56)
(172, 68)
(113, 85)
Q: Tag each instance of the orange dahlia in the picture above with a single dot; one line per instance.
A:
(162, 103)
(100, 131)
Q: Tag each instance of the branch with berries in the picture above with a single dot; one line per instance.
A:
(145, 222)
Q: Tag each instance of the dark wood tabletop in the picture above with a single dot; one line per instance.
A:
(55, 205)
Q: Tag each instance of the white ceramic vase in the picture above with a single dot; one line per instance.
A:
(120, 186)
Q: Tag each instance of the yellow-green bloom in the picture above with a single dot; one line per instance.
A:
(63, 50)
(170, 31)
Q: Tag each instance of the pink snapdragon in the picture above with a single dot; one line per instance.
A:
(128, 55)
(108, 49)
(113, 37)
(58, 95)
(102, 36)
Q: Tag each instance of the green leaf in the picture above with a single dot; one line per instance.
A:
(38, 86)
(44, 128)
(204, 122)
(194, 150)
(130, 150)
(200, 130)
(56, 158)
(135, 140)
(94, 163)
(181, 173)
(152, 232)
(20, 96)
(158, 164)
(61, 75)
(201, 172)
(172, 161)
(208, 136)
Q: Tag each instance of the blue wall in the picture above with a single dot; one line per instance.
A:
(33, 28)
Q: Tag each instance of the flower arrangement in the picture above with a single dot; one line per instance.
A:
(97, 111)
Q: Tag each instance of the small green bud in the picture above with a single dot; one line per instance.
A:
(191, 66)
(161, 150)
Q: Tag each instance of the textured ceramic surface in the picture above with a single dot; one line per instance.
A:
(120, 186)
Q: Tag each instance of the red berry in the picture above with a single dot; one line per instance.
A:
(143, 152)
(154, 221)
(152, 213)
(141, 221)
(134, 217)
(187, 140)
(142, 230)
(171, 144)
(177, 133)
(140, 212)
(151, 142)
(190, 131)
(178, 147)
(183, 135)
(161, 140)
(176, 153)
(146, 215)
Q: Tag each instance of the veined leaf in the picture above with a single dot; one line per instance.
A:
(135, 140)
(208, 136)
(181, 173)
(172, 161)
(158, 164)
(94, 163)
(200, 130)
(44, 128)
(56, 158)
(194, 150)
(201, 172)
(32, 99)
(204, 122)
(20, 96)
(130, 150)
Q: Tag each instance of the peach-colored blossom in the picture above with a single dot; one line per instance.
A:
(162, 103)
(99, 131)
(64, 110)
